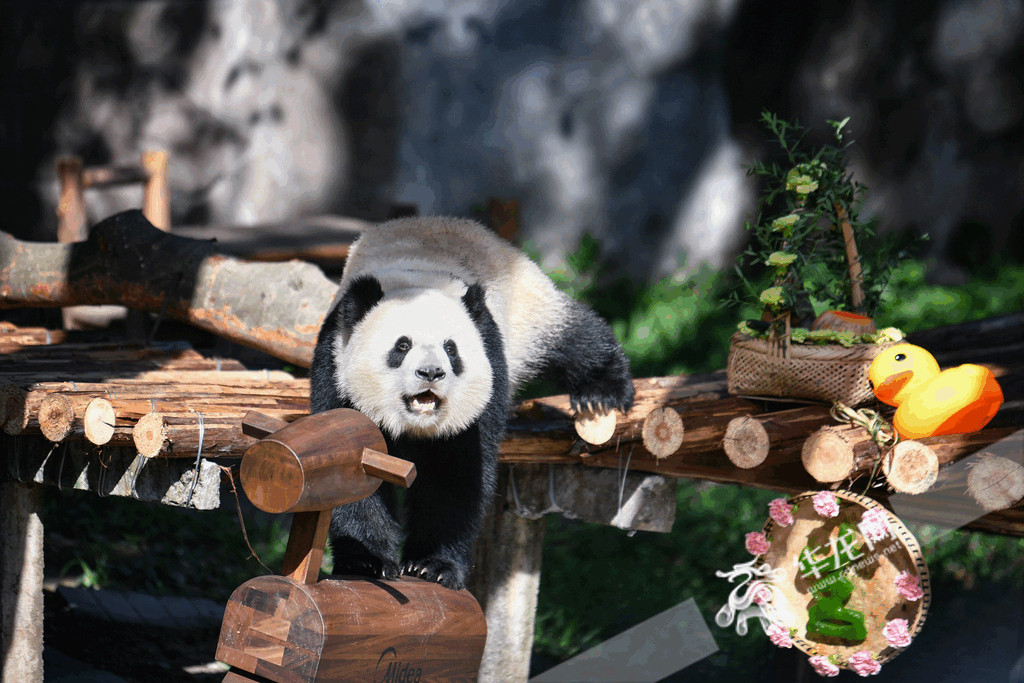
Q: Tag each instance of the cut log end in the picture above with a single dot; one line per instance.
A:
(828, 455)
(12, 400)
(996, 483)
(99, 421)
(596, 428)
(56, 417)
(746, 442)
(911, 467)
(149, 434)
(663, 432)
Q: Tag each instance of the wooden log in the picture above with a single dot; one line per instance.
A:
(14, 339)
(127, 261)
(836, 453)
(323, 240)
(749, 438)
(129, 409)
(112, 176)
(596, 428)
(56, 417)
(98, 422)
(356, 630)
(662, 431)
(173, 436)
(996, 483)
(540, 432)
(910, 467)
(248, 382)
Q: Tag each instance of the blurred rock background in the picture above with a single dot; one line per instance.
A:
(630, 120)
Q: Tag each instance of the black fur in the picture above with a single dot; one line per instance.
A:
(587, 361)
(456, 477)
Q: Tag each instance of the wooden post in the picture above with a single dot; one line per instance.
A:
(505, 580)
(852, 259)
(71, 220)
(156, 199)
(21, 583)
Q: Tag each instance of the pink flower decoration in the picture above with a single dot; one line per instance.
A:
(864, 664)
(757, 543)
(908, 586)
(762, 594)
(781, 512)
(823, 667)
(896, 633)
(779, 635)
(874, 525)
(825, 504)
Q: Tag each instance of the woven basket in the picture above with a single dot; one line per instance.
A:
(776, 367)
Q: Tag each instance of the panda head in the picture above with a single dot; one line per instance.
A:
(413, 361)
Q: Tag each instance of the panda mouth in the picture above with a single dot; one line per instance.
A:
(425, 403)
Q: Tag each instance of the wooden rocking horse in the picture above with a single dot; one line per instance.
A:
(295, 628)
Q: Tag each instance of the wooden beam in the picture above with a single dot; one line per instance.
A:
(274, 307)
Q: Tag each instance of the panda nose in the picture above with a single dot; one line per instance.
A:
(431, 373)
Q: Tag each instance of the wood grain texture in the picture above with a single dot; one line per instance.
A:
(343, 629)
(312, 464)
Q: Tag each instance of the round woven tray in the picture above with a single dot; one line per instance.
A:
(873, 575)
(829, 372)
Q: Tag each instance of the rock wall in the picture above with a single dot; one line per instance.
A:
(630, 120)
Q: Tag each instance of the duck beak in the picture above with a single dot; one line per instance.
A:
(887, 389)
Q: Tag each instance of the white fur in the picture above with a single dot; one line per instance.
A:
(428, 317)
(443, 254)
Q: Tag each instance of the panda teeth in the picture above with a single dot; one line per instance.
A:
(423, 403)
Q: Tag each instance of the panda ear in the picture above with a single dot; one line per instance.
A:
(362, 294)
(475, 303)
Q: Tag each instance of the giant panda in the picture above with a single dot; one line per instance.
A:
(437, 323)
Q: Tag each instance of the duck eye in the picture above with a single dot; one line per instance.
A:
(901, 356)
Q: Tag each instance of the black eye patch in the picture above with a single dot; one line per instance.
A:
(398, 352)
(453, 356)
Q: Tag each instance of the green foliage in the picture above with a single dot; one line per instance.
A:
(967, 558)
(797, 258)
(123, 544)
(911, 304)
(90, 577)
(597, 581)
(667, 327)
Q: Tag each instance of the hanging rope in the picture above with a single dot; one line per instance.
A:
(882, 433)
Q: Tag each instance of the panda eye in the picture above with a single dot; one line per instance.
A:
(453, 356)
(397, 353)
(900, 356)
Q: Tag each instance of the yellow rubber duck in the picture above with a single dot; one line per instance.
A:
(930, 402)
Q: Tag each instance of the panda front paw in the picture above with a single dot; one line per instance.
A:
(439, 571)
(366, 565)
(603, 399)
